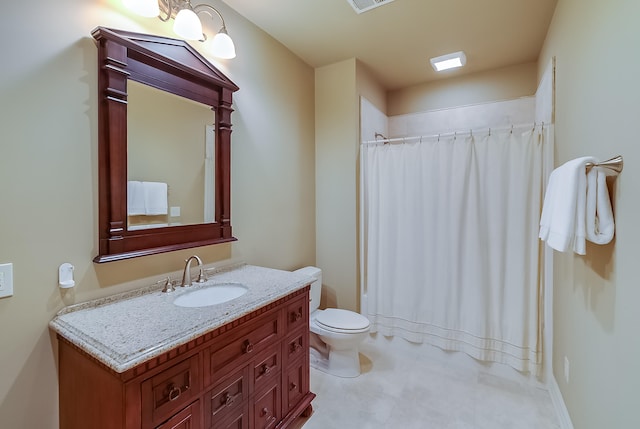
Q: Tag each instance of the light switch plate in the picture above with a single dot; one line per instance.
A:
(6, 280)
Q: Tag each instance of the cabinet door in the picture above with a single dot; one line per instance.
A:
(296, 346)
(266, 407)
(169, 391)
(266, 367)
(189, 418)
(295, 384)
(297, 313)
(228, 398)
(241, 344)
(239, 420)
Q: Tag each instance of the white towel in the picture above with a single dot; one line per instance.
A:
(563, 220)
(599, 218)
(155, 198)
(135, 198)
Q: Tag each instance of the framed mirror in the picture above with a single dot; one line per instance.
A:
(164, 146)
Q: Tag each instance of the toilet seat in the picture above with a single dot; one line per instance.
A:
(342, 321)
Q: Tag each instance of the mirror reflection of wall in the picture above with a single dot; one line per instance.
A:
(170, 146)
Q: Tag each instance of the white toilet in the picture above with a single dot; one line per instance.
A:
(335, 334)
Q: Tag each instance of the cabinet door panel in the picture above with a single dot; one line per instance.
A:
(265, 367)
(189, 418)
(227, 398)
(295, 384)
(297, 313)
(296, 346)
(266, 407)
(169, 391)
(243, 345)
(239, 420)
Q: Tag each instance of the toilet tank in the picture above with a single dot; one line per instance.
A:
(316, 286)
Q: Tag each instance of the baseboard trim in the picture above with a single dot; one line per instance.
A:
(559, 405)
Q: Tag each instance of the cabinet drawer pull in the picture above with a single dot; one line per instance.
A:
(293, 386)
(227, 399)
(295, 347)
(174, 393)
(247, 347)
(296, 316)
(264, 370)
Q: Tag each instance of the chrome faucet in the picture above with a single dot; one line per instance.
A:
(186, 275)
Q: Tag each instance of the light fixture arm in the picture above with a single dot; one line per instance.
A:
(167, 7)
(203, 8)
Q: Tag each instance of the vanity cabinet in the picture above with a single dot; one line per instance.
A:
(252, 372)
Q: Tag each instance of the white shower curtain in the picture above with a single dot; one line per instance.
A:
(451, 244)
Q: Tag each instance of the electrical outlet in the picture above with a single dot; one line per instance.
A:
(6, 280)
(566, 369)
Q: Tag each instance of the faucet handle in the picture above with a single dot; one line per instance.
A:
(168, 286)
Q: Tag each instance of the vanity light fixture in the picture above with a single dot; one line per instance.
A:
(187, 24)
(449, 61)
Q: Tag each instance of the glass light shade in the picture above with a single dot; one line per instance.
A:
(222, 46)
(146, 8)
(188, 25)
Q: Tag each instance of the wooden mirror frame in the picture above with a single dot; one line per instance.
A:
(170, 65)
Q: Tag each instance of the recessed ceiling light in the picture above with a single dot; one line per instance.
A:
(449, 61)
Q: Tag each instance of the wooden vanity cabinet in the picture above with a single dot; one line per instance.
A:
(250, 373)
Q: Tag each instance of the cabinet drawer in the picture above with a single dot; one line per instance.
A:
(266, 367)
(266, 407)
(242, 345)
(227, 398)
(169, 391)
(296, 346)
(189, 418)
(297, 313)
(295, 384)
(239, 420)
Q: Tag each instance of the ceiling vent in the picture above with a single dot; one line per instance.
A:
(364, 5)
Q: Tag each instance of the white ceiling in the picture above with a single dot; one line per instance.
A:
(397, 39)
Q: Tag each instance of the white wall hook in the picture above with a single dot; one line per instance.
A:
(65, 276)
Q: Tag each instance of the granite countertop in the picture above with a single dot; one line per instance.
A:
(125, 330)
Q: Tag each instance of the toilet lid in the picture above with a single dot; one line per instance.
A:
(334, 318)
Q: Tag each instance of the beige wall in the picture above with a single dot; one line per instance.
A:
(493, 85)
(338, 89)
(336, 152)
(48, 178)
(596, 316)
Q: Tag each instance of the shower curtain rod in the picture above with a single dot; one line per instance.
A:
(454, 134)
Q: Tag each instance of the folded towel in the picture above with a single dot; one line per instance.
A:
(135, 198)
(155, 198)
(563, 220)
(599, 217)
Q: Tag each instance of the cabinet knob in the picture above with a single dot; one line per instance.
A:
(247, 347)
(265, 369)
(296, 316)
(293, 386)
(264, 412)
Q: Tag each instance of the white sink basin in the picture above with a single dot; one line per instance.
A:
(215, 294)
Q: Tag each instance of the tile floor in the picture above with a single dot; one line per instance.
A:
(401, 388)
